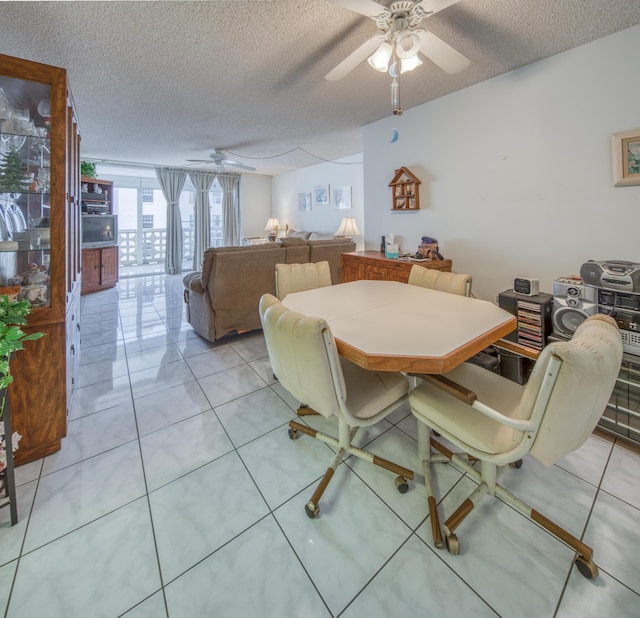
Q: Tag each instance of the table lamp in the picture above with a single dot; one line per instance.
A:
(272, 227)
(348, 228)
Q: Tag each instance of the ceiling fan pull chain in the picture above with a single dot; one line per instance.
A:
(395, 97)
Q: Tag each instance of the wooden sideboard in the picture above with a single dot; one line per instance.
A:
(374, 265)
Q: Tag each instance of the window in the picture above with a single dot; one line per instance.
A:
(147, 195)
(147, 220)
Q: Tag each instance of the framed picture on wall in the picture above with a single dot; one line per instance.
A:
(625, 156)
(342, 198)
(304, 201)
(321, 195)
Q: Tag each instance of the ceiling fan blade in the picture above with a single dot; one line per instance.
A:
(355, 58)
(242, 166)
(364, 7)
(433, 6)
(200, 160)
(441, 53)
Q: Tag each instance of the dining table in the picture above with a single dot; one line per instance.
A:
(393, 326)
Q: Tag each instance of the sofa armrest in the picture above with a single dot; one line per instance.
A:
(193, 282)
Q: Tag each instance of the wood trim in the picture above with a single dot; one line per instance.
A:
(424, 364)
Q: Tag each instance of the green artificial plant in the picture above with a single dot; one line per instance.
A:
(13, 172)
(12, 316)
(88, 169)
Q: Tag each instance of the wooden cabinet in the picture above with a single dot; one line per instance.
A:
(405, 190)
(45, 230)
(374, 265)
(99, 265)
(99, 269)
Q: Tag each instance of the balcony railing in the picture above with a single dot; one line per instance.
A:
(150, 245)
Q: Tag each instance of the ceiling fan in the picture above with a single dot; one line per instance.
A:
(395, 48)
(219, 159)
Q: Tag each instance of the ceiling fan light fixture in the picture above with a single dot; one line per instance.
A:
(408, 64)
(379, 60)
(407, 44)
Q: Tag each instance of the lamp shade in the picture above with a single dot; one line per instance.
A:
(272, 224)
(380, 58)
(408, 64)
(407, 45)
(348, 228)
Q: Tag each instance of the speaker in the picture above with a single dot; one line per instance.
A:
(573, 303)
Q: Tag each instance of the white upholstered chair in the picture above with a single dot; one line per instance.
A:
(304, 356)
(498, 421)
(299, 277)
(436, 280)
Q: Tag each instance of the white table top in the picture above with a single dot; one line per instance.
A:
(394, 326)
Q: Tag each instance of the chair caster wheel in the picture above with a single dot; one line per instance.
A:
(293, 434)
(586, 567)
(311, 510)
(451, 541)
(516, 464)
(402, 485)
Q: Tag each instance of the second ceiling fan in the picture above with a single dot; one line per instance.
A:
(219, 160)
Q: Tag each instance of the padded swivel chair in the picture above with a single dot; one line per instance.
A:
(299, 277)
(304, 356)
(437, 280)
(498, 421)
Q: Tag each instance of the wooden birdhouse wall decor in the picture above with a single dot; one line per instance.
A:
(405, 189)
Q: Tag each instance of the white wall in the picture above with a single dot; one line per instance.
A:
(346, 172)
(516, 171)
(255, 198)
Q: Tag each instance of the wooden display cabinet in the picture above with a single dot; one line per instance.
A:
(46, 238)
(405, 189)
(374, 265)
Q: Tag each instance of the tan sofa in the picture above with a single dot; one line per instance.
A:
(223, 298)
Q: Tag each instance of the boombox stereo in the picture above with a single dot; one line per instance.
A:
(614, 275)
(573, 303)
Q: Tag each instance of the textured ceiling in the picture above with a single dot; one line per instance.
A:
(163, 82)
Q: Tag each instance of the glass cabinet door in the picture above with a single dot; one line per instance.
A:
(25, 186)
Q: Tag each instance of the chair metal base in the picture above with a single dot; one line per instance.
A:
(345, 448)
(488, 478)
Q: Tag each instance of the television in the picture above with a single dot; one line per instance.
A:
(99, 231)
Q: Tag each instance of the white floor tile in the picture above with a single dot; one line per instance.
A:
(351, 539)
(78, 494)
(102, 569)
(415, 582)
(91, 435)
(216, 359)
(230, 384)
(256, 574)
(252, 415)
(612, 533)
(169, 406)
(201, 511)
(603, 596)
(622, 478)
(515, 566)
(182, 447)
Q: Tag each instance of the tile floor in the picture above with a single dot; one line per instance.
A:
(178, 493)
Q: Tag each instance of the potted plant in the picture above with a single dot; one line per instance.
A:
(88, 169)
(13, 314)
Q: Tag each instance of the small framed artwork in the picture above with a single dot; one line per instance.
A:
(625, 155)
(304, 201)
(321, 195)
(342, 198)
